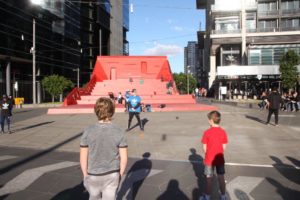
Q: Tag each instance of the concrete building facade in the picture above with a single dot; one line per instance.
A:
(245, 39)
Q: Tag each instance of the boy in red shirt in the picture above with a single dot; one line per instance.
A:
(214, 141)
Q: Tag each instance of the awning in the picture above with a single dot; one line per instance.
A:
(243, 70)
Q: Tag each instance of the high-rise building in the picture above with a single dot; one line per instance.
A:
(245, 39)
(69, 36)
(191, 58)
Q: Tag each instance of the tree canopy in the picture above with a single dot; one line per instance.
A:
(55, 85)
(288, 69)
(181, 82)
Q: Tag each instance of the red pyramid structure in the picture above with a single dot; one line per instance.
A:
(151, 76)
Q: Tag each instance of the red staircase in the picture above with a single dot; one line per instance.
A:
(148, 75)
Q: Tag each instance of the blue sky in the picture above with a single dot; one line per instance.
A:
(163, 27)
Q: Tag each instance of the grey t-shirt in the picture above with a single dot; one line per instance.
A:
(103, 141)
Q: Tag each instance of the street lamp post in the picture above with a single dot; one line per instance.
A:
(33, 64)
(78, 70)
(33, 51)
(188, 79)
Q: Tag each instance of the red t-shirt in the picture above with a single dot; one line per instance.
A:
(214, 138)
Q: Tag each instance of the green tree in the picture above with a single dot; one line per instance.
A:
(288, 69)
(55, 85)
(181, 82)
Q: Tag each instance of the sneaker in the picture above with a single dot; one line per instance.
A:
(276, 125)
(127, 130)
(2, 132)
(204, 197)
(223, 197)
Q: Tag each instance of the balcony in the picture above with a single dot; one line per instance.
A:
(273, 29)
(237, 31)
(291, 12)
(268, 14)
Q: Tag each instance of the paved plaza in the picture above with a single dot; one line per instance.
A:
(40, 159)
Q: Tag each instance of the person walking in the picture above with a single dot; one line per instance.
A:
(134, 104)
(273, 101)
(5, 113)
(214, 142)
(103, 153)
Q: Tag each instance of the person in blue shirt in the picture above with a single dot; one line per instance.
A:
(134, 104)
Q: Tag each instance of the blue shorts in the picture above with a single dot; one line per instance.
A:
(209, 170)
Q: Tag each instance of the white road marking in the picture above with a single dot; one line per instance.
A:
(241, 187)
(7, 157)
(26, 178)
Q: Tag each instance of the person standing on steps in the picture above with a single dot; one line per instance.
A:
(134, 104)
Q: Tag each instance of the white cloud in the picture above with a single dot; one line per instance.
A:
(177, 28)
(163, 50)
(169, 21)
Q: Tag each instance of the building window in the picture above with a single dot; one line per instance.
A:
(290, 22)
(227, 24)
(267, 25)
(250, 22)
(290, 5)
(267, 6)
(267, 56)
(254, 56)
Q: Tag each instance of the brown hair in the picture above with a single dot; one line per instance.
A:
(104, 108)
(215, 116)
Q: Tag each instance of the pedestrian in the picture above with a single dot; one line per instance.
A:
(120, 98)
(12, 104)
(134, 104)
(127, 95)
(5, 113)
(103, 153)
(214, 141)
(273, 101)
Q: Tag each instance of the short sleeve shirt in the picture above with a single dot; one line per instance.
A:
(134, 101)
(214, 138)
(103, 141)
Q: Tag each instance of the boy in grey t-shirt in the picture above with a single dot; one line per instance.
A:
(103, 153)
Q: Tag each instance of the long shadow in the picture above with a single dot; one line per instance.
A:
(197, 162)
(38, 155)
(284, 192)
(173, 192)
(135, 178)
(144, 122)
(255, 119)
(288, 171)
(291, 173)
(32, 126)
(76, 193)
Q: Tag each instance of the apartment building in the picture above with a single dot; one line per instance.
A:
(245, 39)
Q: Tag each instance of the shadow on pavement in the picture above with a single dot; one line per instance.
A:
(135, 178)
(37, 155)
(284, 192)
(76, 193)
(173, 192)
(289, 172)
(255, 119)
(144, 122)
(197, 162)
(32, 126)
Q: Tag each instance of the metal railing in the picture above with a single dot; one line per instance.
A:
(226, 31)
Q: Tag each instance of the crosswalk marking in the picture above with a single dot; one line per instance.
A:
(26, 178)
(241, 187)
